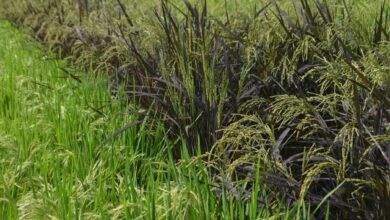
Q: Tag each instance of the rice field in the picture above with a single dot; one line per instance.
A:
(58, 160)
(194, 109)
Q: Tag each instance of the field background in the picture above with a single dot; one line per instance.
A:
(195, 109)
